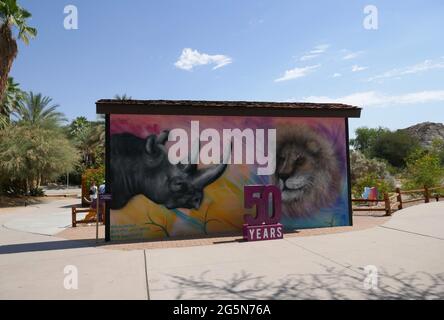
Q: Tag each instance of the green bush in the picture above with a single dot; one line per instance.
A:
(424, 169)
(94, 175)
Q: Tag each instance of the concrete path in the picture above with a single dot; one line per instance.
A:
(402, 259)
(47, 218)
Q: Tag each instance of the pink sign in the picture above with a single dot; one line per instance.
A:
(262, 226)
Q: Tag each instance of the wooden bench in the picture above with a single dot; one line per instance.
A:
(74, 212)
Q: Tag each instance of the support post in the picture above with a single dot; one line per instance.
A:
(73, 217)
(388, 210)
(399, 198)
(426, 194)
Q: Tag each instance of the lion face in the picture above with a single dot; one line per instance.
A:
(295, 170)
(307, 170)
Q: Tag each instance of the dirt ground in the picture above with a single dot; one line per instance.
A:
(20, 201)
(88, 232)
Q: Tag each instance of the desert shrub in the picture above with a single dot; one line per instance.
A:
(367, 172)
(423, 169)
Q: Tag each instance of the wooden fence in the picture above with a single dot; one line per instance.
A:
(393, 201)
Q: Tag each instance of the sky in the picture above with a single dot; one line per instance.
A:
(384, 56)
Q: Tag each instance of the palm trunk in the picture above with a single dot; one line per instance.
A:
(8, 52)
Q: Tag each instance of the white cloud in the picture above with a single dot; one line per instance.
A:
(352, 55)
(309, 57)
(297, 73)
(337, 75)
(320, 49)
(191, 58)
(417, 68)
(375, 99)
(357, 68)
(315, 52)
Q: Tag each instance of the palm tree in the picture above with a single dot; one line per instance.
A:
(122, 97)
(11, 15)
(37, 110)
(11, 101)
(78, 126)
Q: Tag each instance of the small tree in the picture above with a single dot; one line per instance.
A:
(395, 147)
(365, 138)
(29, 154)
(438, 148)
(424, 169)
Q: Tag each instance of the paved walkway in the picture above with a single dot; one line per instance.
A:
(406, 252)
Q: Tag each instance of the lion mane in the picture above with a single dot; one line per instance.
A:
(307, 170)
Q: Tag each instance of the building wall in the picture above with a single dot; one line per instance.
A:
(311, 163)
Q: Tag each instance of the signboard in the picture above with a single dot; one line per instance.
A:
(105, 196)
(263, 226)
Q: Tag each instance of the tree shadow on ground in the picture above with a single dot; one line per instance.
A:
(331, 284)
(19, 201)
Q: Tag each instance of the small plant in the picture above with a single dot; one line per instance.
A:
(36, 192)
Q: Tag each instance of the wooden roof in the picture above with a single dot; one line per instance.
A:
(227, 108)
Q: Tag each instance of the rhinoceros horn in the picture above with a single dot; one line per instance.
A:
(208, 175)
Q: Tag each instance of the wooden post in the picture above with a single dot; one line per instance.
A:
(388, 210)
(399, 198)
(97, 217)
(73, 217)
(426, 194)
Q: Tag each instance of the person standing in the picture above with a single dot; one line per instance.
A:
(93, 194)
(102, 189)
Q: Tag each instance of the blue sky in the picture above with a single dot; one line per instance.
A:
(241, 50)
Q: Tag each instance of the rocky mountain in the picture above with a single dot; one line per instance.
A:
(426, 132)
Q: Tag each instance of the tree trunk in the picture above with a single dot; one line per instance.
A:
(8, 52)
(27, 185)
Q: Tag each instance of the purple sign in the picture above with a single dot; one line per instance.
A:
(263, 232)
(105, 197)
(263, 226)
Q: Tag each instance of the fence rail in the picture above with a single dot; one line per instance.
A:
(394, 201)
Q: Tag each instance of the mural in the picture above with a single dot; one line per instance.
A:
(154, 197)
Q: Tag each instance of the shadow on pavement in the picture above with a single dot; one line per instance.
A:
(331, 284)
(49, 245)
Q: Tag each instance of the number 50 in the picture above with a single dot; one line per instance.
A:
(262, 204)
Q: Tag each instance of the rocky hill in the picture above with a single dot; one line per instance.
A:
(426, 132)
